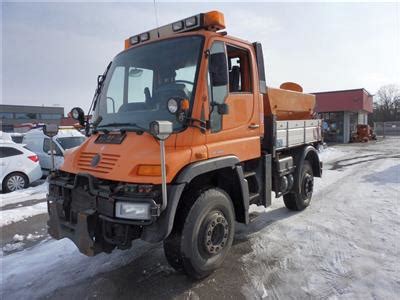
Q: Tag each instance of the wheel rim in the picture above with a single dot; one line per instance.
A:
(308, 186)
(16, 182)
(216, 233)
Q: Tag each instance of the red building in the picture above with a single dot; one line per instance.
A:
(342, 111)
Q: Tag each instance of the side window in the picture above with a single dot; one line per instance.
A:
(46, 147)
(217, 91)
(140, 84)
(239, 70)
(8, 151)
(115, 92)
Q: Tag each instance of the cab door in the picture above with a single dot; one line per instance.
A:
(234, 120)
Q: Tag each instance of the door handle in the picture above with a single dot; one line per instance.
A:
(254, 126)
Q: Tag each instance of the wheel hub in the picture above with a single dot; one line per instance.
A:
(15, 183)
(216, 234)
(308, 185)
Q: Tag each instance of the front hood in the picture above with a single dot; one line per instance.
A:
(119, 162)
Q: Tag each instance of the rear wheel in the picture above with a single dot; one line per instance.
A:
(15, 181)
(201, 243)
(300, 198)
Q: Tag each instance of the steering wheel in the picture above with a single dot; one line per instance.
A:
(184, 81)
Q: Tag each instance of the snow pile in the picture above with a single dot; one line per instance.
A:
(18, 237)
(33, 237)
(32, 193)
(13, 247)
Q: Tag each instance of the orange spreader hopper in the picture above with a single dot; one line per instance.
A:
(288, 104)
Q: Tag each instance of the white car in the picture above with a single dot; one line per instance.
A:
(19, 166)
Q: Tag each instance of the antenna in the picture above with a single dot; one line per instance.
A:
(156, 16)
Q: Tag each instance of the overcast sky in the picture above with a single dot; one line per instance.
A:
(52, 52)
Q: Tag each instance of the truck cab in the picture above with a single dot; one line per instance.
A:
(230, 142)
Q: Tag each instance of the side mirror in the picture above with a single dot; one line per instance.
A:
(218, 69)
(78, 114)
(50, 130)
(161, 129)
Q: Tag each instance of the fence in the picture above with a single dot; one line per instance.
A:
(387, 128)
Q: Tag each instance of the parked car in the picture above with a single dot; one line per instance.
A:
(19, 166)
(37, 142)
(17, 137)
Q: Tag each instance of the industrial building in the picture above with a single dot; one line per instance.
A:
(342, 111)
(20, 118)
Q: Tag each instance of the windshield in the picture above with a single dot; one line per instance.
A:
(70, 142)
(141, 81)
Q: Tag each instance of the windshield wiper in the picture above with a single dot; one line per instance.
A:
(125, 126)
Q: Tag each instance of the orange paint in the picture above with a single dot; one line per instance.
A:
(137, 159)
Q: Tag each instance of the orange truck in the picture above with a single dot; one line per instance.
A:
(184, 137)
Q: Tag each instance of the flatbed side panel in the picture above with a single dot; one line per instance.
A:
(297, 132)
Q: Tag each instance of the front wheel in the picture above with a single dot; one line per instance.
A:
(202, 243)
(300, 197)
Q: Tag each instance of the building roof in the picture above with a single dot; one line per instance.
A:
(339, 91)
(353, 100)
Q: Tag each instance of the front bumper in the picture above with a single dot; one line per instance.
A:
(84, 211)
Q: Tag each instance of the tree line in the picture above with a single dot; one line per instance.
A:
(386, 104)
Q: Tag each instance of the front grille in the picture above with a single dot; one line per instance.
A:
(106, 164)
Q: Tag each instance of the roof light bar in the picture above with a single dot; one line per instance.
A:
(134, 40)
(212, 21)
(144, 37)
(177, 26)
(190, 22)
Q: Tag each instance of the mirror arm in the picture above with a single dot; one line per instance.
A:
(204, 125)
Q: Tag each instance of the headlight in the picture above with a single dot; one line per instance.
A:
(131, 210)
(172, 105)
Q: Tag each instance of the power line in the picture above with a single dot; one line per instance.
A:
(156, 16)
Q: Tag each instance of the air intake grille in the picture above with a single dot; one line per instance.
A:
(106, 164)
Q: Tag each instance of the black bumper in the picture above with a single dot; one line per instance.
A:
(84, 213)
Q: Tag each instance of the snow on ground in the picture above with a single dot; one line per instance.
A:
(32, 193)
(330, 153)
(9, 216)
(345, 245)
(54, 264)
(18, 214)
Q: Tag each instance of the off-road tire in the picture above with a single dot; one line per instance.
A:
(23, 177)
(301, 195)
(203, 233)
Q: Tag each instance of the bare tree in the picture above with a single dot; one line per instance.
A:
(387, 105)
